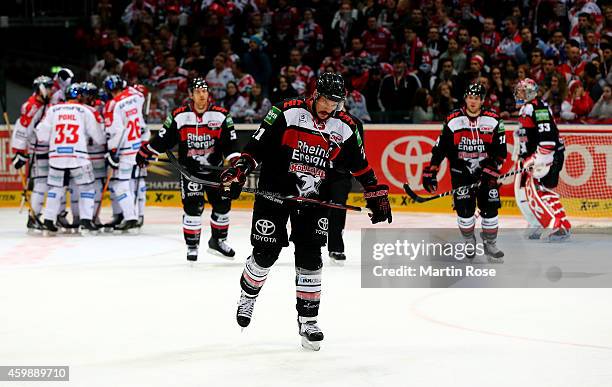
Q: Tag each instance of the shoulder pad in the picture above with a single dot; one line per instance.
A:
(342, 116)
(453, 114)
(219, 109)
(490, 113)
(179, 110)
(294, 102)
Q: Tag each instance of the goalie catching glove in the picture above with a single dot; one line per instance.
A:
(377, 199)
(234, 177)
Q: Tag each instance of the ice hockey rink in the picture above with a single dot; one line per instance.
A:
(130, 311)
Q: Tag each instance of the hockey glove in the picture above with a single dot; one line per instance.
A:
(234, 178)
(377, 199)
(540, 161)
(144, 154)
(19, 160)
(490, 173)
(430, 179)
(112, 160)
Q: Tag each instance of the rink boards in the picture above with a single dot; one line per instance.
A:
(398, 154)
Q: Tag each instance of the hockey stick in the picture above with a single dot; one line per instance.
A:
(422, 199)
(209, 167)
(24, 179)
(274, 196)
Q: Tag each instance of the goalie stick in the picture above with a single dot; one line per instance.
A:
(422, 199)
(274, 196)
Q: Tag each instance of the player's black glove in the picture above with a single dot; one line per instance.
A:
(144, 154)
(19, 160)
(430, 178)
(490, 173)
(234, 177)
(112, 159)
(377, 199)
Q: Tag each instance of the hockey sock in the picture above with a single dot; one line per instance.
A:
(253, 277)
(125, 198)
(38, 195)
(192, 227)
(308, 291)
(87, 194)
(466, 225)
(489, 227)
(74, 200)
(142, 196)
(114, 204)
(52, 207)
(219, 225)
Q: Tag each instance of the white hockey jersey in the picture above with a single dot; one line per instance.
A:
(67, 127)
(23, 138)
(125, 124)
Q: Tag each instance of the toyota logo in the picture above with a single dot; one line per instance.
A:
(193, 186)
(323, 224)
(493, 194)
(413, 157)
(463, 191)
(265, 227)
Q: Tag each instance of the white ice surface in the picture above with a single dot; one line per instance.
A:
(130, 311)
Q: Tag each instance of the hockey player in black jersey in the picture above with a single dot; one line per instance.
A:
(541, 148)
(474, 142)
(296, 146)
(206, 137)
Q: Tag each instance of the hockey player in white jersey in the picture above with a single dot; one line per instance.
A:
(126, 130)
(23, 143)
(68, 127)
(97, 152)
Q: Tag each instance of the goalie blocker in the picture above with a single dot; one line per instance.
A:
(541, 148)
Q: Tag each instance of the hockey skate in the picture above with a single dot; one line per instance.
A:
(310, 332)
(34, 224)
(337, 258)
(64, 224)
(127, 226)
(49, 228)
(140, 221)
(534, 233)
(192, 253)
(493, 253)
(87, 227)
(245, 309)
(110, 226)
(220, 248)
(469, 240)
(559, 235)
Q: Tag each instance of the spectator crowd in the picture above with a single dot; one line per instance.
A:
(402, 60)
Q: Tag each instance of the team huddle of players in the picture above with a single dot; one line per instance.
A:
(77, 143)
(299, 148)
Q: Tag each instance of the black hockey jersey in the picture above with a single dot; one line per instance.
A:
(204, 139)
(466, 141)
(537, 127)
(297, 151)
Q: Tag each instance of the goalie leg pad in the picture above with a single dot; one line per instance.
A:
(546, 205)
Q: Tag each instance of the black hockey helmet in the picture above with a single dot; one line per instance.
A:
(331, 86)
(113, 82)
(475, 89)
(198, 83)
(42, 86)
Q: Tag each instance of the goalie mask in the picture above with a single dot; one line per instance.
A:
(525, 91)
